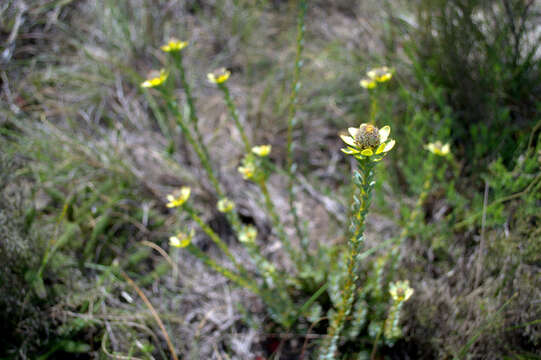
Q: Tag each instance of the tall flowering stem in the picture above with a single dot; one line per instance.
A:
(197, 146)
(368, 145)
(177, 57)
(292, 111)
(364, 180)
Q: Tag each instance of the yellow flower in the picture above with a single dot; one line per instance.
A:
(248, 234)
(368, 83)
(179, 198)
(219, 76)
(174, 45)
(155, 78)
(225, 205)
(367, 141)
(438, 148)
(380, 74)
(400, 291)
(181, 239)
(262, 150)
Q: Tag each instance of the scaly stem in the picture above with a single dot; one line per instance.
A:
(295, 85)
(364, 180)
(177, 56)
(195, 145)
(214, 237)
(234, 114)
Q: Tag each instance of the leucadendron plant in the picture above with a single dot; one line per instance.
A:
(290, 294)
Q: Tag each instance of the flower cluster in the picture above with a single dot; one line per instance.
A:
(367, 141)
(155, 78)
(248, 234)
(225, 205)
(252, 165)
(179, 197)
(219, 76)
(400, 291)
(438, 148)
(174, 45)
(182, 239)
(375, 76)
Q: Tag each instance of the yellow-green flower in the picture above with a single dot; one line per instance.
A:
(225, 205)
(438, 148)
(155, 78)
(179, 198)
(368, 83)
(248, 234)
(381, 74)
(400, 291)
(219, 76)
(367, 141)
(181, 239)
(262, 150)
(247, 169)
(174, 45)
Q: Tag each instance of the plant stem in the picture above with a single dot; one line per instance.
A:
(364, 180)
(292, 111)
(234, 114)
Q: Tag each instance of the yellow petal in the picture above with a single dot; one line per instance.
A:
(348, 140)
(446, 149)
(389, 146)
(367, 152)
(384, 133)
(380, 148)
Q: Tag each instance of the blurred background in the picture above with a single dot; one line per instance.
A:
(85, 165)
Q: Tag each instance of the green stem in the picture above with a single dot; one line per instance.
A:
(364, 180)
(214, 237)
(234, 114)
(177, 56)
(292, 111)
(195, 145)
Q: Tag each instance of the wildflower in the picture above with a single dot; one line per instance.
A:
(219, 76)
(247, 170)
(438, 148)
(181, 239)
(248, 234)
(225, 205)
(381, 74)
(262, 150)
(180, 198)
(368, 83)
(400, 291)
(155, 78)
(367, 141)
(174, 45)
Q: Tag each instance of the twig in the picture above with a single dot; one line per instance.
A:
(482, 241)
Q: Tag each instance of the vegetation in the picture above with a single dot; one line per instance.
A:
(199, 213)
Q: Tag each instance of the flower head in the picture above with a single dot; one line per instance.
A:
(174, 45)
(155, 78)
(248, 234)
(262, 150)
(247, 170)
(380, 74)
(438, 148)
(367, 141)
(400, 291)
(179, 198)
(368, 83)
(225, 205)
(181, 239)
(219, 76)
